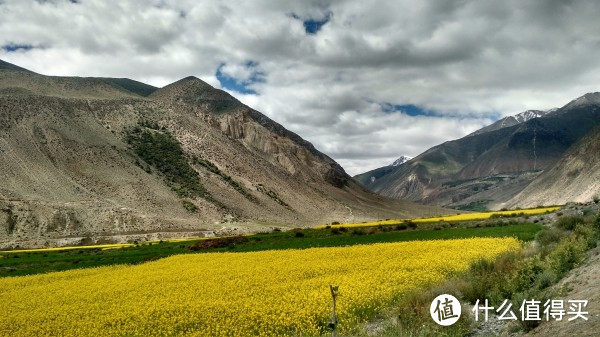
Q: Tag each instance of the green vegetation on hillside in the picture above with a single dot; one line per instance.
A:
(475, 206)
(271, 194)
(159, 149)
(162, 151)
(208, 165)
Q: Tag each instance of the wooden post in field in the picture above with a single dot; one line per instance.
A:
(334, 321)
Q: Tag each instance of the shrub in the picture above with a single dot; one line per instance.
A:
(218, 243)
(587, 233)
(401, 227)
(597, 222)
(569, 222)
(189, 206)
(411, 225)
(343, 229)
(549, 236)
(276, 230)
(546, 279)
(299, 234)
(567, 255)
(527, 273)
(335, 231)
(358, 232)
(335, 223)
(588, 212)
(597, 199)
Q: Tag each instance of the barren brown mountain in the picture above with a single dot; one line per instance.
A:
(574, 178)
(101, 159)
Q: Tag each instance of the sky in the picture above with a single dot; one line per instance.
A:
(364, 80)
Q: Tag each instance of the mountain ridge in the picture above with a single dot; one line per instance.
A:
(489, 167)
(513, 120)
(82, 160)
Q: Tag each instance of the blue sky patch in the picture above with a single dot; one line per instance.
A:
(10, 48)
(313, 26)
(242, 86)
(415, 110)
(409, 109)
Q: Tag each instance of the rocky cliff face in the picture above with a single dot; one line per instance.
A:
(70, 173)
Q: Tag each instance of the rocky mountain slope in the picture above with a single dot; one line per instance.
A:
(574, 178)
(513, 120)
(486, 169)
(100, 159)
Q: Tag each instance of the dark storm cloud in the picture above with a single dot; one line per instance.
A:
(468, 61)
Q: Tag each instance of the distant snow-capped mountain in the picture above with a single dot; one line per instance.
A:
(513, 120)
(529, 114)
(401, 160)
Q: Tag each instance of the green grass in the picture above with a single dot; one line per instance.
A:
(14, 264)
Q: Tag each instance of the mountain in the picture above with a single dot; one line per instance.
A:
(370, 178)
(401, 160)
(104, 160)
(135, 87)
(9, 66)
(574, 178)
(488, 168)
(513, 120)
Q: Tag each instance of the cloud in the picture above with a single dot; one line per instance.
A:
(365, 82)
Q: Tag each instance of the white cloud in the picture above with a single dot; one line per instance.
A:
(467, 60)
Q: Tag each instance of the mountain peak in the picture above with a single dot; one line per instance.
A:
(513, 120)
(190, 87)
(194, 91)
(191, 82)
(9, 66)
(589, 98)
(528, 115)
(401, 160)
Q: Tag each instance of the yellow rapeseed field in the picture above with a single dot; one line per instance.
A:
(449, 217)
(268, 293)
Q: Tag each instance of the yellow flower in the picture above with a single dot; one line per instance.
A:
(269, 293)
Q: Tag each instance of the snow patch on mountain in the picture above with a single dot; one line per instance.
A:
(401, 160)
(513, 120)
